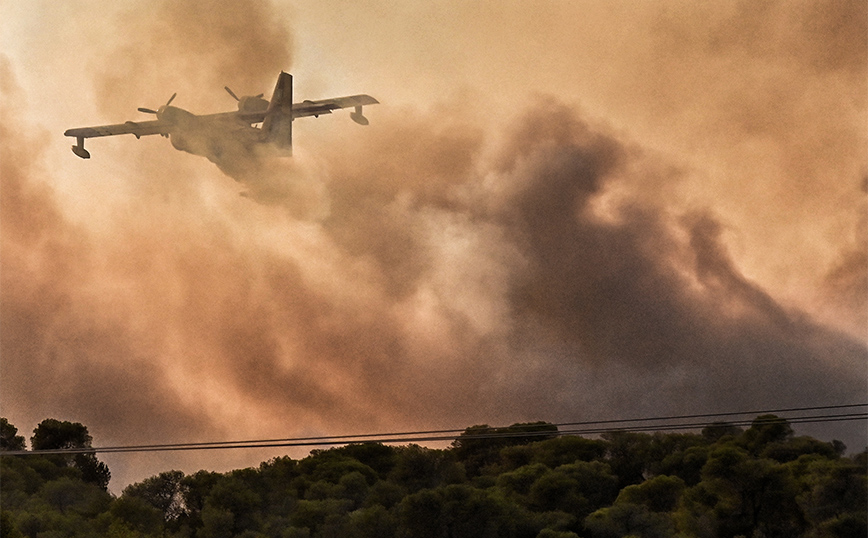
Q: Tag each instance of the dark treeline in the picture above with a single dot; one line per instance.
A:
(725, 482)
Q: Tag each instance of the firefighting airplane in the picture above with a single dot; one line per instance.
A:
(211, 135)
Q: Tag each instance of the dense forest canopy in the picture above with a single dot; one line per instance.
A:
(526, 480)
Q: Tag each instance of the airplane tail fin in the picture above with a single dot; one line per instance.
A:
(277, 125)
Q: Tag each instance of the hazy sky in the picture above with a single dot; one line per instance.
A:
(561, 211)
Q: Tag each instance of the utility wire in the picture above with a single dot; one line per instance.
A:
(462, 430)
(525, 430)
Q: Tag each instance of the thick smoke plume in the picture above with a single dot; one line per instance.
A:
(431, 271)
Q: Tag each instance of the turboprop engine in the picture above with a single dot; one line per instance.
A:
(249, 103)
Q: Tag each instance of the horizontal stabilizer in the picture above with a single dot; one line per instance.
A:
(325, 106)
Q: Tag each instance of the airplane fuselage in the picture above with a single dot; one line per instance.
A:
(214, 136)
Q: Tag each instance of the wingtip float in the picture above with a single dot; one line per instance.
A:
(207, 134)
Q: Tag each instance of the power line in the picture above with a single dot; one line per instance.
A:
(526, 430)
(713, 415)
(338, 439)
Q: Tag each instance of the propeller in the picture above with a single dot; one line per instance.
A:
(236, 97)
(169, 102)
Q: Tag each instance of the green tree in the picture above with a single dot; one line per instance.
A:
(322, 490)
(766, 429)
(92, 470)
(551, 533)
(68, 495)
(355, 487)
(216, 523)
(18, 481)
(335, 526)
(834, 493)
(9, 438)
(331, 465)
(276, 478)
(312, 514)
(136, 515)
(556, 491)
(792, 448)
(749, 494)
(764, 482)
(53, 434)
(520, 480)
(195, 489)
(231, 506)
(7, 528)
(372, 521)
(419, 468)
(164, 492)
(640, 510)
(479, 446)
(552, 452)
(385, 493)
(629, 455)
(458, 511)
(685, 464)
(420, 515)
(696, 515)
(377, 456)
(568, 449)
(627, 519)
(577, 489)
(658, 494)
(718, 430)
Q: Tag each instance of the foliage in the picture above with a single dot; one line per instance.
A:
(480, 446)
(522, 481)
(53, 434)
(163, 492)
(9, 438)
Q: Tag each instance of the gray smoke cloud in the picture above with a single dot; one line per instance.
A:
(436, 270)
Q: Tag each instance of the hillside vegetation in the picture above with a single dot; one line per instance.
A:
(725, 482)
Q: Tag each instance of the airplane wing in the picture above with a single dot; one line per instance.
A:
(325, 106)
(137, 128)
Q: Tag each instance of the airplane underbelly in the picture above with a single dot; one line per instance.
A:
(234, 152)
(212, 145)
(181, 142)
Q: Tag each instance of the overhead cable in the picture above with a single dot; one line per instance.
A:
(543, 429)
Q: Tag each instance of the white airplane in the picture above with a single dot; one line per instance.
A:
(212, 135)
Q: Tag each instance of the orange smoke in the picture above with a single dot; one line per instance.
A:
(440, 268)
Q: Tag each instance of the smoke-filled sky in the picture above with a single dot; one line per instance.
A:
(561, 211)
